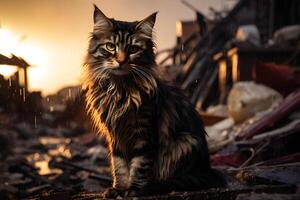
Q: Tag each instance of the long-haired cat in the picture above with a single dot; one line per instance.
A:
(155, 137)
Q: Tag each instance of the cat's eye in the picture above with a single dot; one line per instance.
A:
(134, 49)
(110, 46)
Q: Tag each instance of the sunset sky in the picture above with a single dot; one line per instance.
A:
(53, 34)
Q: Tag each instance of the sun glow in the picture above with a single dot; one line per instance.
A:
(7, 42)
(7, 71)
(31, 53)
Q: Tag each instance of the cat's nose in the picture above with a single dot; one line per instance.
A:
(121, 57)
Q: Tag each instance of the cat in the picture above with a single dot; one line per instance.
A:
(155, 137)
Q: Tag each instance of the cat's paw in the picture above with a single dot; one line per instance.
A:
(112, 193)
(131, 193)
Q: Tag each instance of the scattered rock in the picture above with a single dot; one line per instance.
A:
(248, 98)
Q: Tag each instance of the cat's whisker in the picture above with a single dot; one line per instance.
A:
(148, 76)
(141, 76)
(141, 72)
(144, 71)
(144, 68)
(132, 73)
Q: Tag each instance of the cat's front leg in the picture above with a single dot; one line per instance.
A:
(120, 175)
(140, 173)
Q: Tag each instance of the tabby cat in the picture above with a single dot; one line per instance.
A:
(155, 137)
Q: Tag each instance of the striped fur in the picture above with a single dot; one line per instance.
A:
(155, 137)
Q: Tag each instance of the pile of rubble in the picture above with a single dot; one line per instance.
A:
(256, 143)
(36, 159)
(260, 129)
(241, 78)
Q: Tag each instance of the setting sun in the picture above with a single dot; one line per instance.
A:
(10, 44)
(7, 41)
(7, 70)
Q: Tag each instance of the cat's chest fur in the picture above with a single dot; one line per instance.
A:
(125, 114)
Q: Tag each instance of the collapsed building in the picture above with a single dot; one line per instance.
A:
(14, 94)
(206, 63)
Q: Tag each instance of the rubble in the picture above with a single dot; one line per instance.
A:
(219, 135)
(218, 110)
(289, 104)
(288, 34)
(50, 161)
(280, 77)
(248, 33)
(240, 75)
(247, 98)
(256, 196)
(45, 164)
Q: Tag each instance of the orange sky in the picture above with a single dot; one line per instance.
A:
(56, 31)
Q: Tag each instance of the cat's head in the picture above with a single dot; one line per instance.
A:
(119, 49)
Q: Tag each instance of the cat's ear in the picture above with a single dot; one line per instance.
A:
(146, 25)
(101, 22)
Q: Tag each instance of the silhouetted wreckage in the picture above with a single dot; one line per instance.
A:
(240, 70)
(14, 95)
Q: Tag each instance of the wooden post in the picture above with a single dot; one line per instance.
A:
(25, 79)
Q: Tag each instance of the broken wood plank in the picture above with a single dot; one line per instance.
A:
(290, 103)
(291, 127)
(213, 194)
